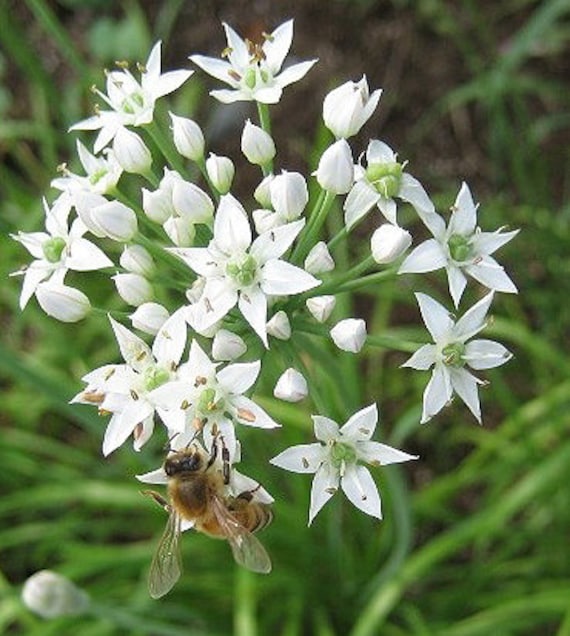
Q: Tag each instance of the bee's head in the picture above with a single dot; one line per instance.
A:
(189, 460)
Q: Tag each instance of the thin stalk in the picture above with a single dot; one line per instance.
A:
(265, 122)
(316, 221)
(166, 146)
(245, 623)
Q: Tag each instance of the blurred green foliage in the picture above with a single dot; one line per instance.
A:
(477, 544)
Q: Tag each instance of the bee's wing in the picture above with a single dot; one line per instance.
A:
(166, 565)
(246, 548)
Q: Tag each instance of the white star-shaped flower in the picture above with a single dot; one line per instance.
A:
(58, 249)
(450, 354)
(131, 102)
(252, 70)
(126, 390)
(383, 180)
(462, 248)
(239, 271)
(336, 460)
(205, 400)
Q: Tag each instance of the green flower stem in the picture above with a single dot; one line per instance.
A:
(166, 146)
(265, 122)
(151, 178)
(365, 281)
(158, 252)
(393, 343)
(245, 623)
(316, 220)
(489, 521)
(337, 238)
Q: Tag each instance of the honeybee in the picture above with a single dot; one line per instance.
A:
(197, 493)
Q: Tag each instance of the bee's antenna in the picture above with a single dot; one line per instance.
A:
(167, 447)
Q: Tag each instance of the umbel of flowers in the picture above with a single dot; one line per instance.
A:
(210, 283)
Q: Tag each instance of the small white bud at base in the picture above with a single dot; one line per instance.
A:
(188, 137)
(291, 386)
(335, 172)
(389, 242)
(157, 205)
(321, 307)
(319, 259)
(279, 326)
(289, 195)
(50, 595)
(227, 346)
(191, 202)
(115, 220)
(61, 302)
(137, 260)
(262, 193)
(194, 293)
(180, 231)
(131, 153)
(149, 317)
(257, 145)
(221, 172)
(134, 289)
(264, 220)
(349, 335)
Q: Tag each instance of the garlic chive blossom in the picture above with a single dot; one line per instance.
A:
(451, 354)
(336, 460)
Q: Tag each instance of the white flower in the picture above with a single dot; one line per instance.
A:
(378, 184)
(227, 345)
(253, 70)
(451, 354)
(158, 205)
(279, 326)
(291, 386)
(462, 248)
(337, 461)
(240, 272)
(207, 400)
(134, 289)
(131, 152)
(51, 595)
(126, 390)
(321, 307)
(188, 137)
(319, 259)
(257, 145)
(389, 242)
(288, 196)
(102, 173)
(180, 230)
(221, 171)
(58, 249)
(149, 317)
(347, 108)
(349, 334)
(131, 102)
(136, 259)
(62, 302)
(335, 172)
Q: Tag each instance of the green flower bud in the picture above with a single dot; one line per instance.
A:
(459, 248)
(453, 355)
(385, 177)
(53, 248)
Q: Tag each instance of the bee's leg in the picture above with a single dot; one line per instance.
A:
(157, 498)
(213, 451)
(225, 462)
(247, 495)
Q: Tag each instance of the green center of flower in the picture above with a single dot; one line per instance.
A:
(243, 272)
(342, 454)
(453, 354)
(155, 377)
(133, 103)
(459, 248)
(96, 176)
(206, 403)
(53, 248)
(385, 177)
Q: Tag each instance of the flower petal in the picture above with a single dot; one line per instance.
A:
(361, 425)
(465, 385)
(473, 320)
(304, 458)
(376, 453)
(488, 272)
(325, 484)
(360, 489)
(238, 378)
(437, 393)
(275, 242)
(435, 316)
(231, 226)
(251, 414)
(457, 281)
(423, 358)
(325, 428)
(359, 201)
(486, 354)
(253, 306)
(426, 257)
(280, 278)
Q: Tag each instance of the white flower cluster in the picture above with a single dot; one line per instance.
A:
(217, 284)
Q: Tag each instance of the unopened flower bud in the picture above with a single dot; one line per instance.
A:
(279, 326)
(115, 220)
(194, 293)
(157, 205)
(319, 259)
(136, 259)
(264, 220)
(131, 153)
(180, 231)
(289, 195)
(335, 172)
(262, 193)
(321, 307)
(50, 595)
(134, 289)
(291, 386)
(192, 202)
(257, 145)
(61, 302)
(347, 108)
(389, 242)
(349, 335)
(227, 345)
(221, 172)
(149, 317)
(188, 137)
